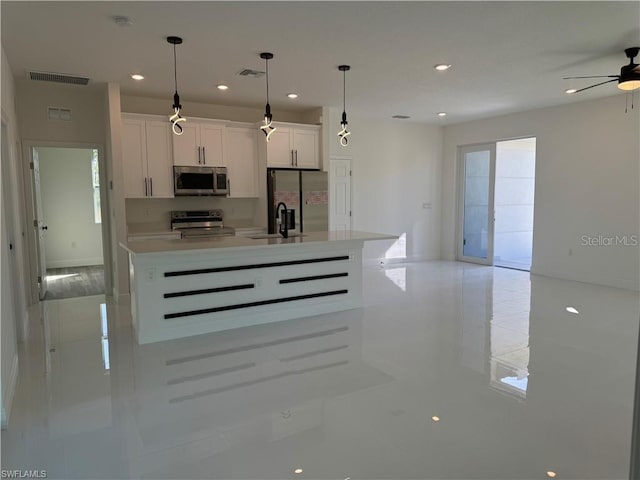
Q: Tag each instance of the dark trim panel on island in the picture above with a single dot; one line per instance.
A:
(254, 304)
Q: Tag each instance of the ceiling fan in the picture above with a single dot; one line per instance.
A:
(629, 78)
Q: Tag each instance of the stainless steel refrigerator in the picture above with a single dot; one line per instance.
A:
(306, 192)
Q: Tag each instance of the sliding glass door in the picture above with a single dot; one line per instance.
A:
(475, 227)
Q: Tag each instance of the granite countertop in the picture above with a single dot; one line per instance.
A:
(245, 243)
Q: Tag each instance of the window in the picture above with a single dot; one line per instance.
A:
(95, 179)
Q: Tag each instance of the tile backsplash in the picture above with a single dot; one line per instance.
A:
(158, 210)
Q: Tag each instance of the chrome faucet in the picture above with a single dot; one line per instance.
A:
(283, 228)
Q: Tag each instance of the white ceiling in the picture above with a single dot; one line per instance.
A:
(506, 56)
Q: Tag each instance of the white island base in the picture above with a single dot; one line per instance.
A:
(181, 288)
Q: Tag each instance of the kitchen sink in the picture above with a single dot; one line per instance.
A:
(275, 235)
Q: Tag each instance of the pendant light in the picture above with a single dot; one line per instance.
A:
(176, 118)
(267, 128)
(343, 134)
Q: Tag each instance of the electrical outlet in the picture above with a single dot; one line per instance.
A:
(151, 274)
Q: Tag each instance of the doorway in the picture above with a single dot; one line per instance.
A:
(68, 219)
(496, 201)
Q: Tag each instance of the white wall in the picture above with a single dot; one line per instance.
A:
(12, 316)
(587, 183)
(396, 169)
(72, 238)
(86, 103)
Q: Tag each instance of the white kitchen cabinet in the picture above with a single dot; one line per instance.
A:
(201, 144)
(146, 155)
(294, 146)
(241, 161)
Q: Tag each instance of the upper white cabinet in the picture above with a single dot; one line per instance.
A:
(146, 155)
(294, 146)
(241, 160)
(200, 144)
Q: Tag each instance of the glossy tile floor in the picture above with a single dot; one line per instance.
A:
(450, 370)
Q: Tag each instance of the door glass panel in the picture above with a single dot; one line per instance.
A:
(477, 166)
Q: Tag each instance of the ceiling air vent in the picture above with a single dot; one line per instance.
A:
(58, 78)
(247, 72)
(402, 117)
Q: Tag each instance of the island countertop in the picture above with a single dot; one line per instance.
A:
(242, 243)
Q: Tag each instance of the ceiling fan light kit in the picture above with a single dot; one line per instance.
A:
(630, 74)
(628, 80)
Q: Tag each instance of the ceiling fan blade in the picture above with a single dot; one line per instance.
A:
(593, 76)
(596, 85)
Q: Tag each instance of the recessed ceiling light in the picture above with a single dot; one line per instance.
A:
(442, 114)
(551, 474)
(298, 471)
(571, 90)
(441, 67)
(137, 76)
(292, 95)
(435, 418)
(572, 310)
(222, 87)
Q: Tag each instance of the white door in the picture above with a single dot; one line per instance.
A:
(476, 212)
(340, 195)
(40, 226)
(305, 149)
(158, 159)
(211, 145)
(186, 147)
(242, 162)
(279, 151)
(134, 158)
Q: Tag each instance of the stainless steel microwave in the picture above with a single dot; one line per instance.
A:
(200, 181)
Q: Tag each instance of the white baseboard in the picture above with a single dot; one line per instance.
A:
(122, 298)
(75, 262)
(7, 397)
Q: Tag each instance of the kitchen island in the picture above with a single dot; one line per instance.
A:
(184, 287)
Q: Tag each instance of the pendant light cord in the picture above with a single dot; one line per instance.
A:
(266, 61)
(175, 68)
(344, 90)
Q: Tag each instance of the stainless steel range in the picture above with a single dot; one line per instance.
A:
(199, 223)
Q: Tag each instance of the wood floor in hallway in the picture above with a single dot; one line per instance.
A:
(72, 282)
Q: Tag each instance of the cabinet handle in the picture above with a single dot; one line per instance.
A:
(199, 156)
(228, 188)
(204, 157)
(292, 164)
(145, 187)
(296, 158)
(150, 186)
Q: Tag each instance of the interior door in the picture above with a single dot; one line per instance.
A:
(476, 214)
(40, 226)
(340, 195)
